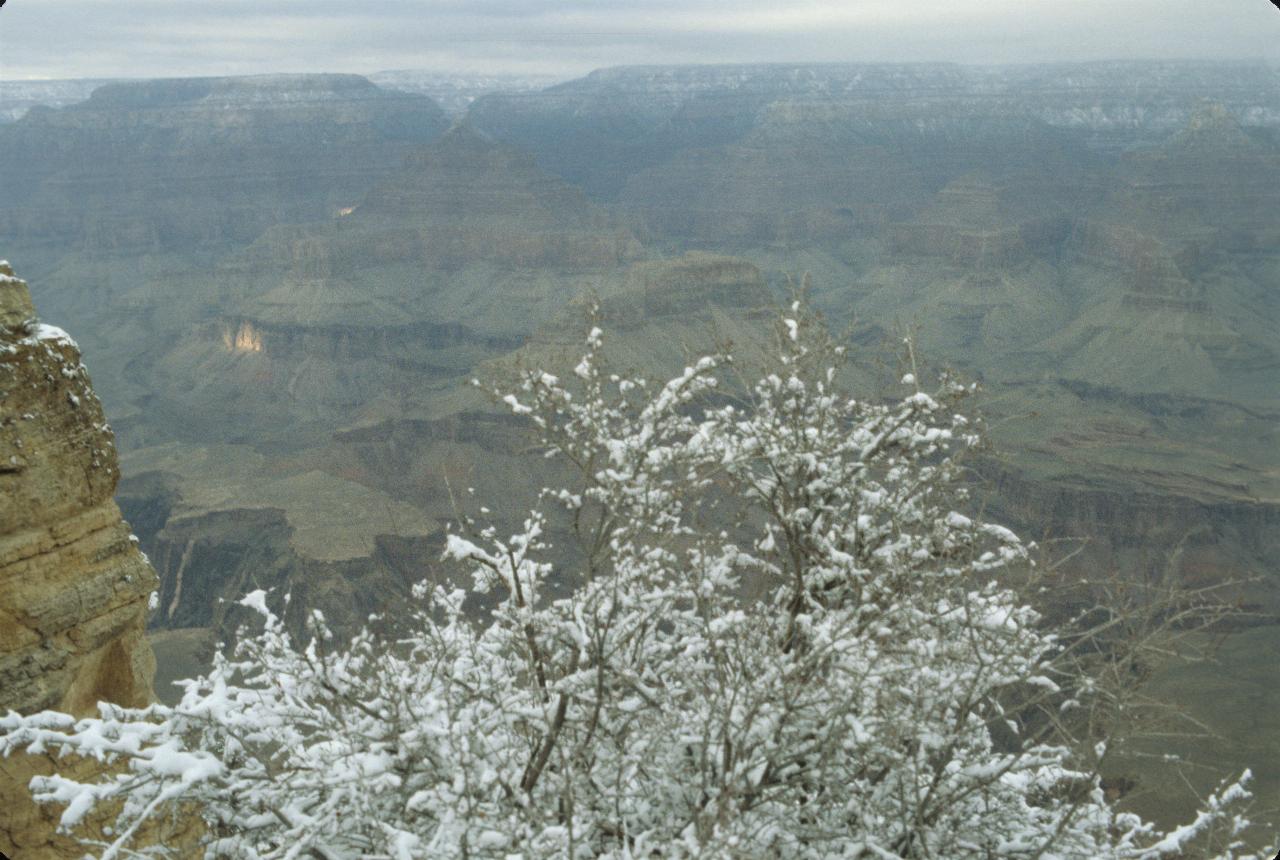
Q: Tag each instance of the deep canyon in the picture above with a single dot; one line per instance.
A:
(283, 284)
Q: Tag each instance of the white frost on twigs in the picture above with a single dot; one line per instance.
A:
(625, 700)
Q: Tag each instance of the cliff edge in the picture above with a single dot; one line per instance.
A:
(74, 588)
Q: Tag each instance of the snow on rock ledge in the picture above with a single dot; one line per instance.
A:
(15, 301)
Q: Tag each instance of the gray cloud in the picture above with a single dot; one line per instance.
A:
(150, 38)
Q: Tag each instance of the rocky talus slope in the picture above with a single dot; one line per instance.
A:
(73, 585)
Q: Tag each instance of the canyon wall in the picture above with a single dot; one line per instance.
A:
(74, 587)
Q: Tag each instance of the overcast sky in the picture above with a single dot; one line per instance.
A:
(154, 38)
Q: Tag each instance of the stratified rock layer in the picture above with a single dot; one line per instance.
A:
(73, 585)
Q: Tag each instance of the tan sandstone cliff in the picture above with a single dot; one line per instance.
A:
(74, 587)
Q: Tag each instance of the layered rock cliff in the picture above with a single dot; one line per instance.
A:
(74, 588)
(601, 130)
(453, 261)
(154, 166)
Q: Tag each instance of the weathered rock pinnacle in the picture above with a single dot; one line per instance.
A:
(74, 587)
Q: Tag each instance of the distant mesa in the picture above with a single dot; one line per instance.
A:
(238, 92)
(183, 165)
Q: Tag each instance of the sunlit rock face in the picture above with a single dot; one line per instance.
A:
(74, 587)
(241, 339)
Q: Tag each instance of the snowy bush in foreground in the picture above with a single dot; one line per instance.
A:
(885, 697)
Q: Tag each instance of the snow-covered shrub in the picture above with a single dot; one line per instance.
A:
(780, 640)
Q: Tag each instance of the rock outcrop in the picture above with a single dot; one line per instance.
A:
(74, 587)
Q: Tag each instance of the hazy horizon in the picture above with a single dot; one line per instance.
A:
(61, 39)
(553, 78)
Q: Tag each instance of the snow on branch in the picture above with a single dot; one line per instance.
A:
(779, 637)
